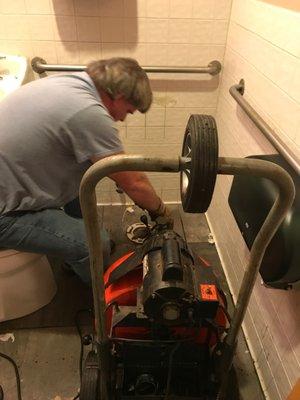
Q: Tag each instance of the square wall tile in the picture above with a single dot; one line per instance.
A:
(203, 9)
(88, 29)
(155, 117)
(67, 52)
(65, 28)
(113, 50)
(46, 50)
(135, 134)
(154, 134)
(19, 47)
(157, 30)
(199, 55)
(108, 8)
(158, 8)
(17, 27)
(179, 30)
(138, 52)
(41, 27)
(174, 134)
(156, 54)
(181, 9)
(217, 52)
(135, 30)
(221, 9)
(38, 6)
(89, 52)
(178, 55)
(170, 195)
(135, 9)
(201, 31)
(170, 181)
(12, 7)
(136, 119)
(86, 7)
(62, 7)
(176, 116)
(112, 30)
(219, 31)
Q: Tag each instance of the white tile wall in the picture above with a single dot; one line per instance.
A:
(262, 48)
(155, 32)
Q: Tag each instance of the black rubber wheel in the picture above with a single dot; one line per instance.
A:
(89, 389)
(201, 145)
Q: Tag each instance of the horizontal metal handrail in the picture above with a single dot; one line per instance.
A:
(237, 92)
(213, 68)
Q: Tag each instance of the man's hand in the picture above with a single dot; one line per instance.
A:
(162, 216)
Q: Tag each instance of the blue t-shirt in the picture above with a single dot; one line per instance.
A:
(49, 130)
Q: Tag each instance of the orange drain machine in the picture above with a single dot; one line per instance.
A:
(162, 331)
(165, 314)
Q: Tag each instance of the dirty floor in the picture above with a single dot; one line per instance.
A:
(46, 346)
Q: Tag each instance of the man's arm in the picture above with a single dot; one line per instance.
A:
(138, 187)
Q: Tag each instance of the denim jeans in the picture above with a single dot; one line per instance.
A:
(52, 232)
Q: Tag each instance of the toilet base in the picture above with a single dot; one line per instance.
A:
(26, 283)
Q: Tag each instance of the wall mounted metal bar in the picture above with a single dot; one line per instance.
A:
(237, 92)
(213, 68)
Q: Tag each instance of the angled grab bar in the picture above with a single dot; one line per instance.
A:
(237, 92)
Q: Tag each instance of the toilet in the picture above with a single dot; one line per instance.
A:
(26, 283)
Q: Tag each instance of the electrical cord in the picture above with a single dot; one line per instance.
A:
(17, 377)
(77, 324)
(6, 357)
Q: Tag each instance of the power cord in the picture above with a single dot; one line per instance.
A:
(17, 377)
(84, 341)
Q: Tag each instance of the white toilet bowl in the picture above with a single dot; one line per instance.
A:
(26, 283)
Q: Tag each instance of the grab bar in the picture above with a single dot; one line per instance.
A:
(214, 67)
(237, 92)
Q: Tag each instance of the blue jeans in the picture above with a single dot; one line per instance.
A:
(52, 232)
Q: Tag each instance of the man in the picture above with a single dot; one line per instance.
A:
(51, 131)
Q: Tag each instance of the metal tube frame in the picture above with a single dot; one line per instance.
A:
(39, 65)
(237, 92)
(227, 166)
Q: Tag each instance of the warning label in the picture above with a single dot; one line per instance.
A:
(209, 292)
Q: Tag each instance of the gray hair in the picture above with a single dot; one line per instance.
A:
(122, 76)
